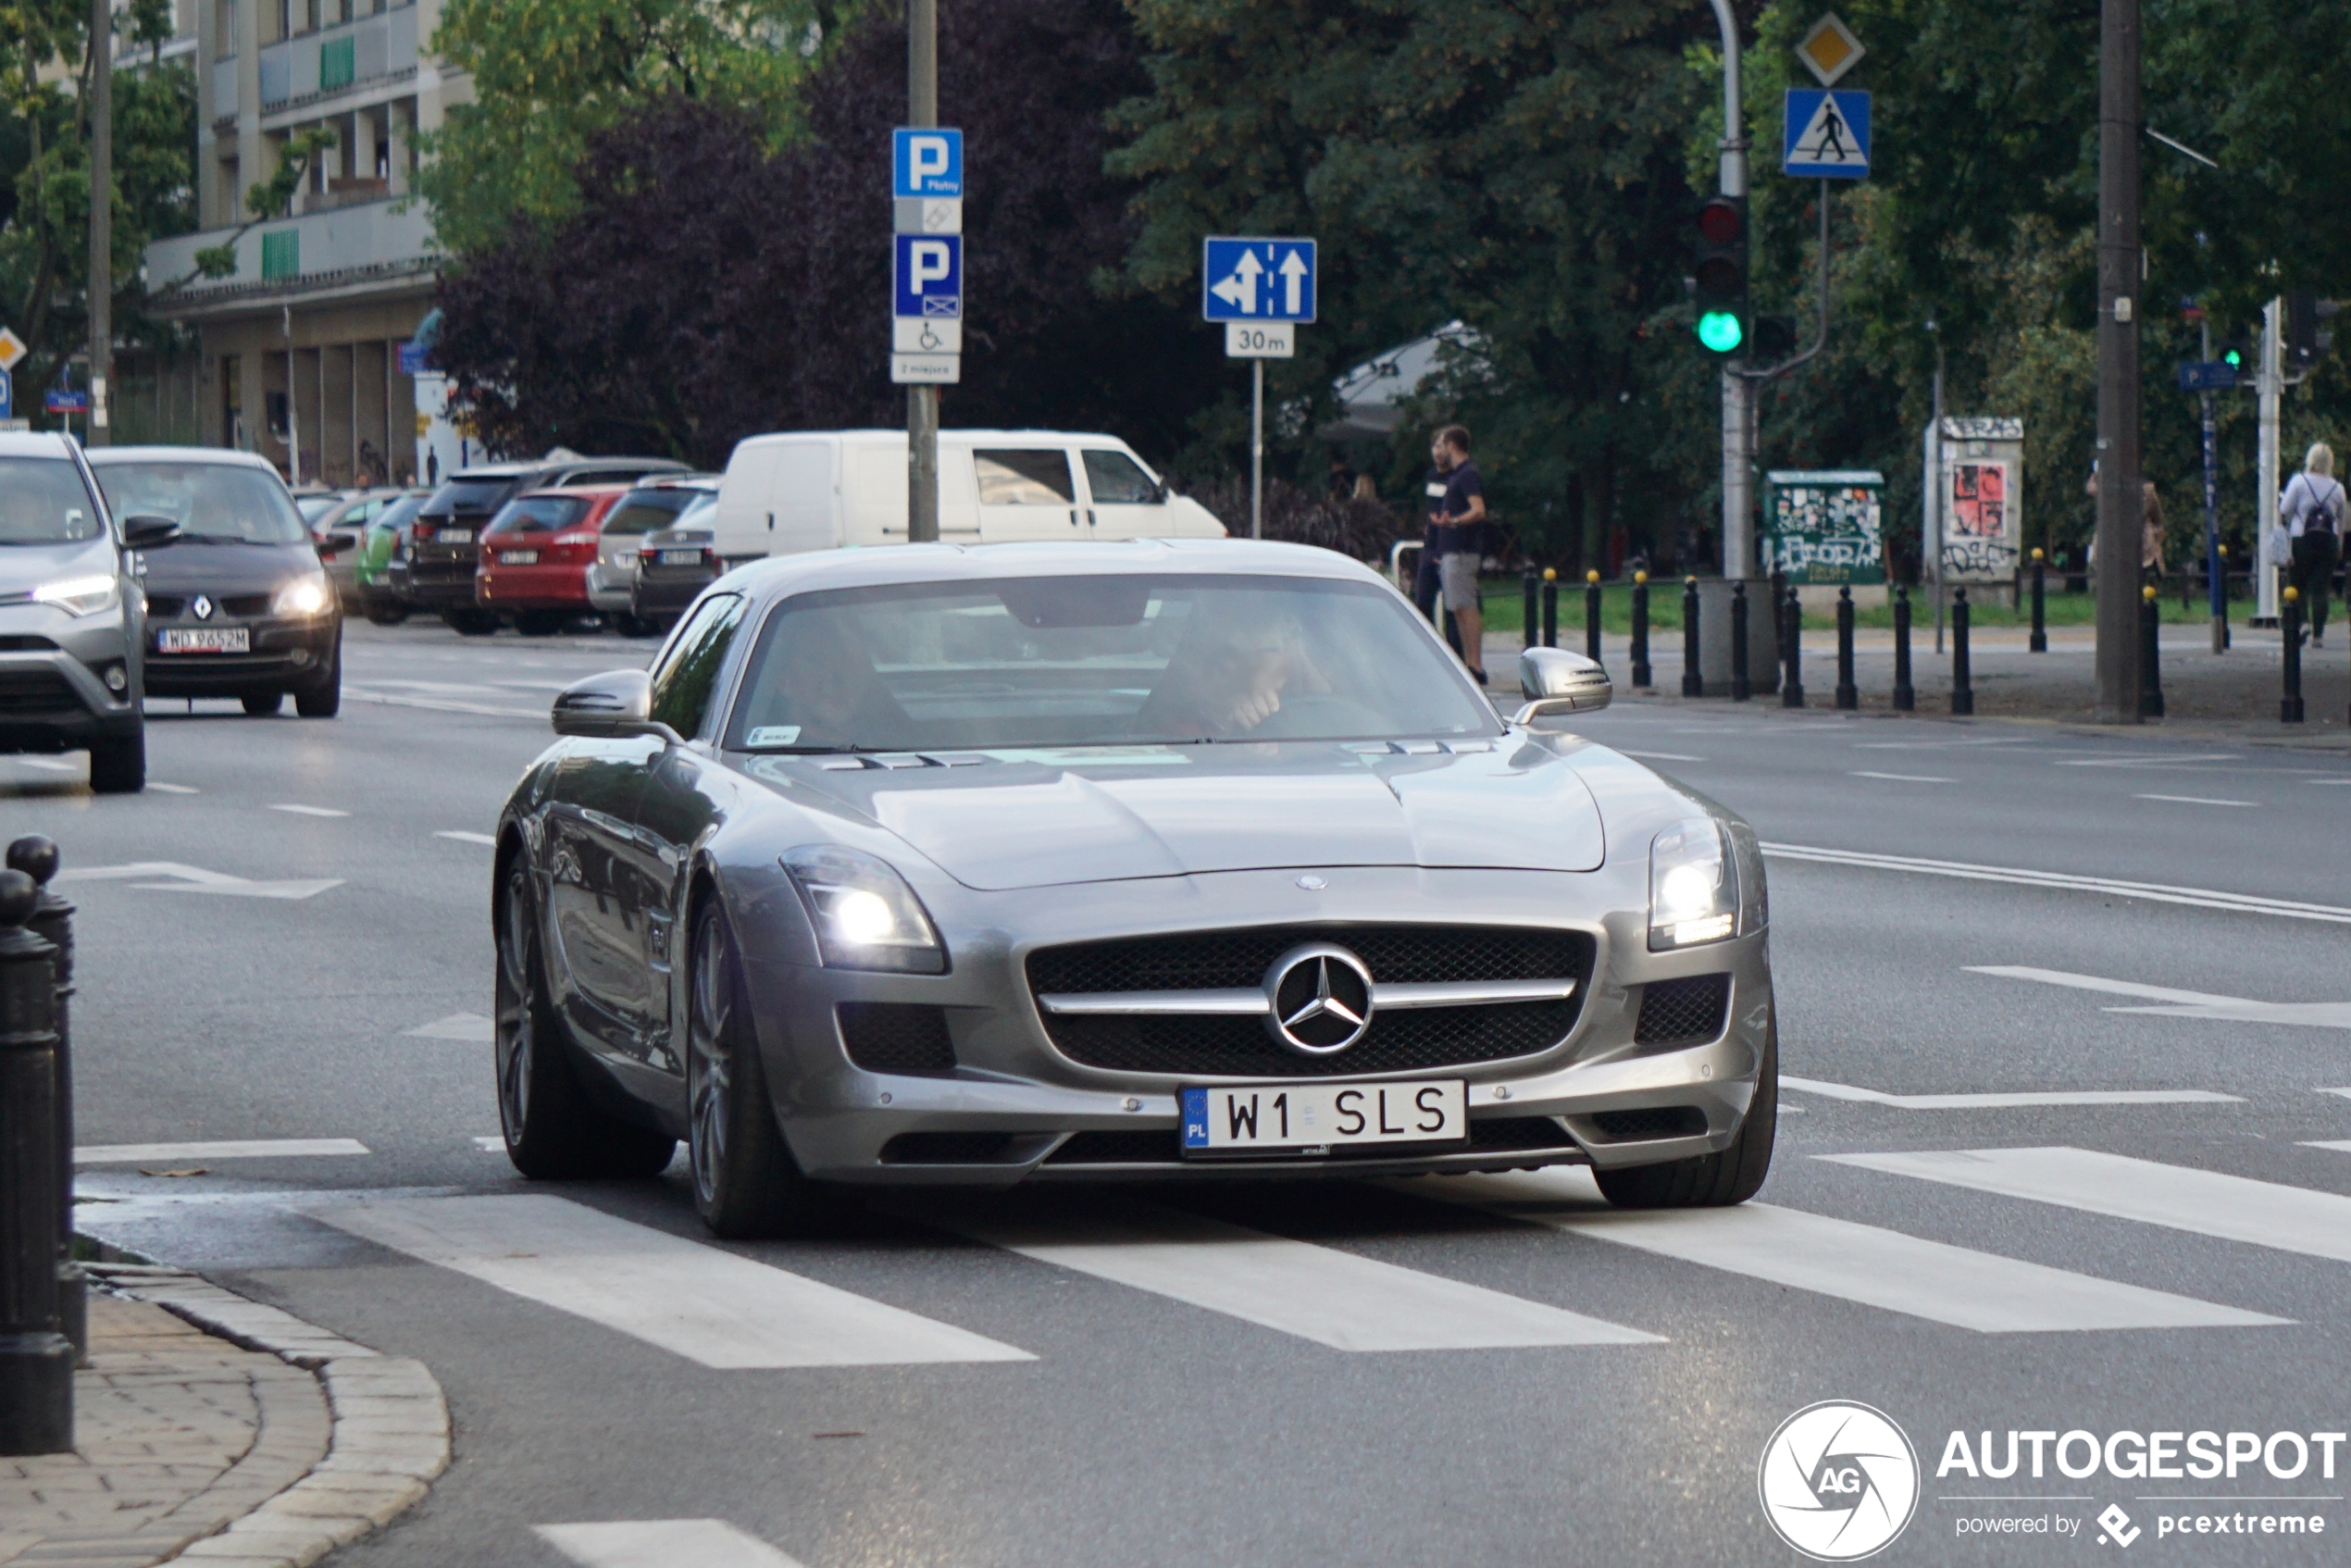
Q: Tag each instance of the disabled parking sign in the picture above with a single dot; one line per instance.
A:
(928, 277)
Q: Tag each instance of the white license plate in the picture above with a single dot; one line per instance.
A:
(456, 536)
(518, 557)
(678, 557)
(1319, 1117)
(206, 640)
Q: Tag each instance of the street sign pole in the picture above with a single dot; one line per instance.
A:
(1256, 449)
(2216, 589)
(2120, 509)
(1261, 289)
(100, 287)
(2270, 385)
(922, 402)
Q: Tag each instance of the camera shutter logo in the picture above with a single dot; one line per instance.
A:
(1839, 1481)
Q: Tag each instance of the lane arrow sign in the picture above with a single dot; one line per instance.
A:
(1293, 270)
(1240, 289)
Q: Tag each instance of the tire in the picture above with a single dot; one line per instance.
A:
(626, 624)
(118, 767)
(386, 612)
(538, 623)
(553, 1131)
(746, 1186)
(1710, 1181)
(470, 623)
(261, 704)
(324, 700)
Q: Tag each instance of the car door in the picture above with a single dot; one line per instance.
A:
(1122, 500)
(1027, 492)
(595, 914)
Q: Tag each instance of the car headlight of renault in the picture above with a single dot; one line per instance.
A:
(866, 916)
(301, 598)
(1694, 886)
(79, 595)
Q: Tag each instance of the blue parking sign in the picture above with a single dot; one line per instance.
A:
(926, 161)
(8, 395)
(928, 278)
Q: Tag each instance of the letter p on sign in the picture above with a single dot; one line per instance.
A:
(926, 162)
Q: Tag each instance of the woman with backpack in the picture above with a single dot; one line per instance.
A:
(2312, 507)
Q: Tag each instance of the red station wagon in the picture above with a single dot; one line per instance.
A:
(535, 557)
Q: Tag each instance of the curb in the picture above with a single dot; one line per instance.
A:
(389, 1434)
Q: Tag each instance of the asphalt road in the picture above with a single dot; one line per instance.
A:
(1949, 1235)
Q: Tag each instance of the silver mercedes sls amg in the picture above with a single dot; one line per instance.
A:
(1136, 860)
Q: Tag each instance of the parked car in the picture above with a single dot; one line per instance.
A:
(675, 566)
(657, 503)
(536, 555)
(437, 575)
(387, 538)
(72, 622)
(824, 490)
(238, 604)
(340, 530)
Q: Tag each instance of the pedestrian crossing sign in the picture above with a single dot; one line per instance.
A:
(1828, 135)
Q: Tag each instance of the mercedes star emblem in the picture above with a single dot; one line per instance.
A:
(1318, 998)
(203, 606)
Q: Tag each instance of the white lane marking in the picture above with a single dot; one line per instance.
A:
(661, 1543)
(2186, 1004)
(2004, 1101)
(1855, 1263)
(308, 811)
(2194, 800)
(2234, 1208)
(173, 788)
(2341, 1145)
(1904, 778)
(195, 879)
(2147, 761)
(1940, 746)
(1655, 756)
(1320, 1293)
(51, 765)
(2344, 1092)
(490, 1145)
(461, 836)
(236, 1149)
(708, 1306)
(2202, 897)
(361, 694)
(471, 1027)
(2327, 781)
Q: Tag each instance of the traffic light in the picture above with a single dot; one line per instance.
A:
(1723, 325)
(2236, 348)
(2305, 339)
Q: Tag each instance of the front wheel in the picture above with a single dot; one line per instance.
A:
(470, 623)
(1710, 1181)
(261, 704)
(746, 1186)
(385, 612)
(118, 767)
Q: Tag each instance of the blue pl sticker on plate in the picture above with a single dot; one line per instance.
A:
(1195, 1118)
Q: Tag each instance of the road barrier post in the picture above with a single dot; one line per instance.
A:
(1741, 687)
(1592, 616)
(1693, 683)
(36, 1361)
(2222, 599)
(1848, 696)
(1792, 650)
(1551, 607)
(2150, 653)
(53, 923)
(1905, 697)
(1641, 631)
(1962, 688)
(2040, 644)
(2290, 623)
(1528, 612)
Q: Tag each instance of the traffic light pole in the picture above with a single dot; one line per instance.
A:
(2271, 384)
(922, 402)
(1739, 392)
(2120, 508)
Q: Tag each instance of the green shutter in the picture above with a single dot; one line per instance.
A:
(337, 63)
(282, 254)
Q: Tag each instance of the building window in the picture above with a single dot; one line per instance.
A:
(337, 63)
(282, 254)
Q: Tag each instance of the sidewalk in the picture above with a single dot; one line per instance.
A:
(265, 1443)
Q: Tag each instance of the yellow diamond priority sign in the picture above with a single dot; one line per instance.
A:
(12, 348)
(1829, 49)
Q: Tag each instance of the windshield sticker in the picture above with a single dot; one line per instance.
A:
(1097, 756)
(773, 735)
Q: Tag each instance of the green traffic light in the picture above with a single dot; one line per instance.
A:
(1721, 330)
(2234, 357)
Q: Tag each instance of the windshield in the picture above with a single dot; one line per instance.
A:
(470, 495)
(539, 513)
(398, 513)
(213, 502)
(643, 511)
(1096, 661)
(42, 501)
(314, 508)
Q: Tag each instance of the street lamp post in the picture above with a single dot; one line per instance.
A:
(2120, 508)
(922, 400)
(100, 286)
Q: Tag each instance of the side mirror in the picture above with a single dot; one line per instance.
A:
(333, 545)
(610, 706)
(1555, 683)
(148, 533)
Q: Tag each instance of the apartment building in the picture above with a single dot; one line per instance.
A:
(298, 352)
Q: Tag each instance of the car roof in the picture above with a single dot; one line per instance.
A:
(33, 444)
(562, 465)
(779, 576)
(106, 457)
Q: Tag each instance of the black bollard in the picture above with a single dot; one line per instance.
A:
(1905, 697)
(1848, 696)
(36, 1361)
(2290, 623)
(2040, 644)
(53, 923)
(1641, 631)
(1963, 689)
(1526, 623)
(1693, 683)
(1551, 607)
(2150, 653)
(1791, 650)
(1592, 616)
(1741, 687)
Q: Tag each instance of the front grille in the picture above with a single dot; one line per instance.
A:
(246, 604)
(892, 1036)
(170, 606)
(26, 643)
(1119, 1148)
(1398, 1041)
(164, 606)
(1519, 1132)
(1670, 1121)
(946, 1147)
(28, 693)
(1677, 1012)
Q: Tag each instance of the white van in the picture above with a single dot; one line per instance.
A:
(824, 490)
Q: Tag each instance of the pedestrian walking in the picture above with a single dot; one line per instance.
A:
(2312, 507)
(1454, 542)
(2150, 529)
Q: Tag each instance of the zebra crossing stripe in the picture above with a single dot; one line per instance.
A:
(707, 1305)
(661, 1543)
(1855, 1263)
(2234, 1208)
(1319, 1293)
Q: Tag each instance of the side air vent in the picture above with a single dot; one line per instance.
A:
(1682, 1011)
(895, 1037)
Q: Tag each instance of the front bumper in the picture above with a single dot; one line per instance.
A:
(284, 654)
(441, 580)
(608, 588)
(53, 690)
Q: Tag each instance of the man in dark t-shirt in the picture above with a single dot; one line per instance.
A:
(1454, 542)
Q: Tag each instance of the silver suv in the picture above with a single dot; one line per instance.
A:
(72, 617)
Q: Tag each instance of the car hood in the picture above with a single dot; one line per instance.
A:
(1039, 817)
(24, 567)
(226, 568)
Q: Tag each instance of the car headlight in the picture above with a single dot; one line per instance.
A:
(1694, 891)
(303, 597)
(866, 916)
(79, 595)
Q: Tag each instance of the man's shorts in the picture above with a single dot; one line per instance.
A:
(1458, 572)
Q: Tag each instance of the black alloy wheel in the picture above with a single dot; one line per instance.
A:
(746, 1185)
(1710, 1181)
(261, 704)
(118, 767)
(553, 1130)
